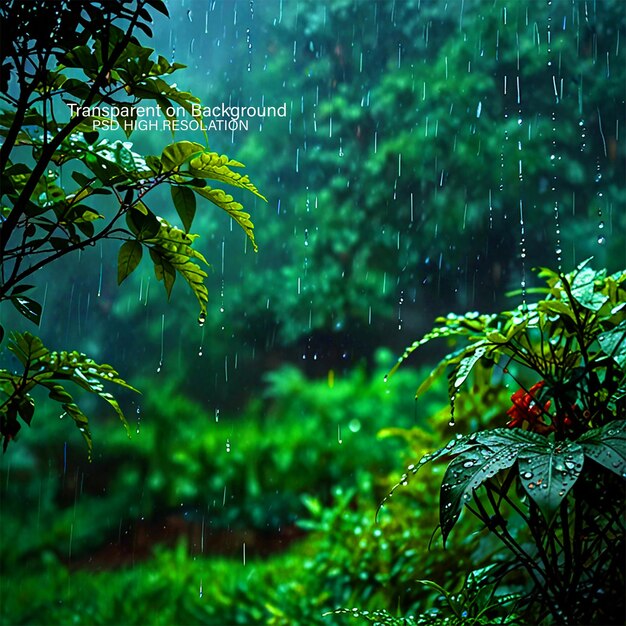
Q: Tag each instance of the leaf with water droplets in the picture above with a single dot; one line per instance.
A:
(381, 617)
(607, 446)
(499, 449)
(49, 369)
(583, 289)
(467, 364)
(549, 471)
(171, 252)
(82, 423)
(455, 446)
(613, 343)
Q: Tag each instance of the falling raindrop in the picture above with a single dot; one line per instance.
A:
(101, 268)
(162, 338)
(522, 252)
(249, 44)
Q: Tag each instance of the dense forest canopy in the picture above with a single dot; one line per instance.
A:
(429, 159)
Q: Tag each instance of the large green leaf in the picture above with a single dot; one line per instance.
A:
(494, 451)
(548, 471)
(455, 446)
(607, 446)
(584, 291)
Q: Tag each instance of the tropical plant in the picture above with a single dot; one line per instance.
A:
(550, 484)
(66, 75)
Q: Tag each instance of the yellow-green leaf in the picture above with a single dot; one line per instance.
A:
(177, 153)
(212, 165)
(232, 207)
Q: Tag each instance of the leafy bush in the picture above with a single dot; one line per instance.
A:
(558, 469)
(348, 557)
(220, 471)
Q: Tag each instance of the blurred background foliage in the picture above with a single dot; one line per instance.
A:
(261, 450)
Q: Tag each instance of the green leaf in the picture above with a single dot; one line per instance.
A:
(459, 376)
(453, 447)
(185, 204)
(583, 289)
(607, 446)
(27, 348)
(154, 163)
(80, 57)
(49, 369)
(142, 222)
(493, 451)
(26, 408)
(82, 423)
(105, 170)
(76, 88)
(556, 307)
(58, 394)
(163, 270)
(128, 259)
(178, 153)
(613, 343)
(82, 180)
(496, 337)
(159, 5)
(28, 307)
(232, 207)
(549, 471)
(171, 252)
(212, 165)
